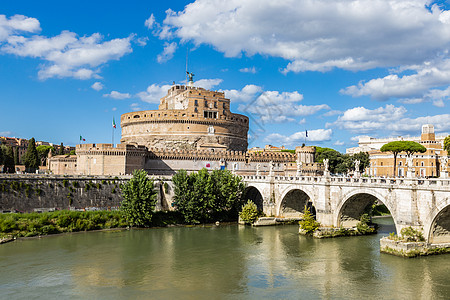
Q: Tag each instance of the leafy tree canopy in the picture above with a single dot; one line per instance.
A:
(139, 199)
(204, 196)
(8, 160)
(43, 151)
(447, 144)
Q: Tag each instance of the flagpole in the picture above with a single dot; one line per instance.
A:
(112, 136)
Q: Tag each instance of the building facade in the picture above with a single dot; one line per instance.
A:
(432, 163)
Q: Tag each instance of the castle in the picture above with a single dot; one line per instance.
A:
(192, 129)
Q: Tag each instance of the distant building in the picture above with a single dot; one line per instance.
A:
(423, 164)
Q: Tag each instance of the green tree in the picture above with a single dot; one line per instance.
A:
(447, 144)
(139, 199)
(31, 159)
(336, 161)
(308, 224)
(8, 160)
(397, 147)
(1, 155)
(203, 197)
(72, 152)
(249, 212)
(16, 156)
(61, 149)
(43, 151)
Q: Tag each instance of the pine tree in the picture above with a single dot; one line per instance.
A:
(8, 160)
(61, 149)
(16, 156)
(1, 155)
(31, 157)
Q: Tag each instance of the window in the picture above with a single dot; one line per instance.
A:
(215, 104)
(381, 163)
(206, 103)
(196, 102)
(421, 164)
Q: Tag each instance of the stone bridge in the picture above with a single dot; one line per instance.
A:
(423, 204)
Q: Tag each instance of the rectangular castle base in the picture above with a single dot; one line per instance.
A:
(412, 249)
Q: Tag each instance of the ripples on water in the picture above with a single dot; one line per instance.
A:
(225, 262)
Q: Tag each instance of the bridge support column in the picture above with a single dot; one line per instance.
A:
(324, 213)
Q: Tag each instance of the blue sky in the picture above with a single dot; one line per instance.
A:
(338, 69)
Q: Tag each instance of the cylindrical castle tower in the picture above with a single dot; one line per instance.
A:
(189, 118)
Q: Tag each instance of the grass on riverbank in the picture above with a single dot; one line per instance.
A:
(33, 224)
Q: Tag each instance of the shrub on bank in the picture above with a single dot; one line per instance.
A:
(249, 212)
(32, 224)
(308, 224)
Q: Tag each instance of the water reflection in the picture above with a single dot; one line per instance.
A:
(226, 262)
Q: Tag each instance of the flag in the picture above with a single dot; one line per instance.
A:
(81, 139)
(306, 133)
(114, 123)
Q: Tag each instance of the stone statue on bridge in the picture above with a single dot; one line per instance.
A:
(271, 166)
(258, 169)
(357, 163)
(325, 163)
(444, 164)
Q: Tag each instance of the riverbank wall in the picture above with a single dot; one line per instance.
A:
(29, 193)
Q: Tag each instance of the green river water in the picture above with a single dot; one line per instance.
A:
(217, 262)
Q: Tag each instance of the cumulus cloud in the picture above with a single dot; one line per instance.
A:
(117, 95)
(167, 54)
(153, 93)
(17, 24)
(150, 22)
(64, 55)
(248, 70)
(390, 120)
(317, 135)
(142, 41)
(97, 86)
(339, 143)
(208, 83)
(272, 106)
(351, 35)
(135, 107)
(410, 88)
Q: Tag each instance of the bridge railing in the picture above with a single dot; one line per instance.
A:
(354, 180)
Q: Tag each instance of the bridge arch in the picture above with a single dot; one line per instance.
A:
(293, 201)
(437, 225)
(355, 203)
(253, 193)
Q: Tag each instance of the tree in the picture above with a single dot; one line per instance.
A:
(395, 147)
(249, 212)
(308, 224)
(139, 199)
(43, 151)
(72, 152)
(408, 147)
(16, 156)
(1, 155)
(8, 160)
(203, 197)
(447, 144)
(61, 149)
(335, 160)
(31, 159)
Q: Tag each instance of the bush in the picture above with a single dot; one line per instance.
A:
(363, 225)
(249, 213)
(308, 224)
(410, 234)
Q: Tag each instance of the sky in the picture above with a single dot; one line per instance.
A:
(336, 69)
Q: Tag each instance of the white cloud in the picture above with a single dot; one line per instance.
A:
(302, 121)
(16, 24)
(142, 41)
(5, 133)
(409, 88)
(246, 94)
(150, 22)
(114, 108)
(135, 107)
(154, 93)
(117, 95)
(248, 70)
(332, 113)
(338, 143)
(317, 135)
(64, 55)
(97, 86)
(317, 35)
(390, 120)
(167, 54)
(356, 138)
(208, 83)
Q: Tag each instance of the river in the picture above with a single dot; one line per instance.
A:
(224, 262)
